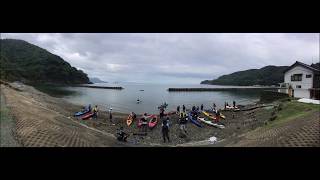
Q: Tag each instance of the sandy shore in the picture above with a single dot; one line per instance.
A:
(42, 120)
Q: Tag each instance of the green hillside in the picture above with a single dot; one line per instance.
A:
(269, 75)
(22, 61)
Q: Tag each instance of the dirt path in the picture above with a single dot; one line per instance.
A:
(38, 124)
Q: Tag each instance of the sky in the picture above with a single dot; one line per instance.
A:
(184, 58)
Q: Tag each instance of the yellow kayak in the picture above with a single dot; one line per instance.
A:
(222, 116)
(211, 116)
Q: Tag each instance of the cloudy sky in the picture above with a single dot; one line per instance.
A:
(174, 58)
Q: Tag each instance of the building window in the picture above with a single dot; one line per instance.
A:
(308, 76)
(298, 86)
(296, 77)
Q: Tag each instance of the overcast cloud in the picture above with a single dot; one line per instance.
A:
(174, 58)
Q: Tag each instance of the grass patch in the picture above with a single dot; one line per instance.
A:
(291, 110)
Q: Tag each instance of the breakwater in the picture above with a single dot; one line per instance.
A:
(101, 87)
(222, 89)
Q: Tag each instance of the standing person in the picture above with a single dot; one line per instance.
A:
(144, 123)
(161, 112)
(201, 107)
(178, 109)
(89, 108)
(84, 109)
(217, 116)
(234, 104)
(95, 112)
(110, 115)
(134, 116)
(165, 129)
(225, 105)
(214, 106)
(182, 122)
(183, 108)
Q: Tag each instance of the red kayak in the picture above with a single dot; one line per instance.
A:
(140, 121)
(153, 121)
(87, 116)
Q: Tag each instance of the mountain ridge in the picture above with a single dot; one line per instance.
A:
(26, 62)
(268, 75)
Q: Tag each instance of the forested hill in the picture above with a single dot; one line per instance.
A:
(269, 75)
(22, 61)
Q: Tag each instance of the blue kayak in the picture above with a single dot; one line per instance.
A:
(194, 121)
(80, 113)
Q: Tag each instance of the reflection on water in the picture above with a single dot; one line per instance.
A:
(153, 95)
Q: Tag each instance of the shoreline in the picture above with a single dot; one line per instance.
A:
(221, 89)
(242, 122)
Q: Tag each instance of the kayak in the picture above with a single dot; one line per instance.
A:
(129, 120)
(87, 116)
(202, 119)
(222, 116)
(194, 121)
(80, 113)
(232, 108)
(211, 116)
(140, 121)
(153, 121)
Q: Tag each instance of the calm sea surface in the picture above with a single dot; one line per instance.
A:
(153, 95)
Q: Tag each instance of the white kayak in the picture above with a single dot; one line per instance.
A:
(211, 123)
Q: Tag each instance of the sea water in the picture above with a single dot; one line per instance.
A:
(153, 95)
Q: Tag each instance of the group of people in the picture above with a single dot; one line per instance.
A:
(183, 108)
(94, 110)
(226, 105)
(165, 120)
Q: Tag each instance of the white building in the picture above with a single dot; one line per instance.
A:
(302, 80)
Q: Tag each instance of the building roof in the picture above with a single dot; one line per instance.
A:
(303, 65)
